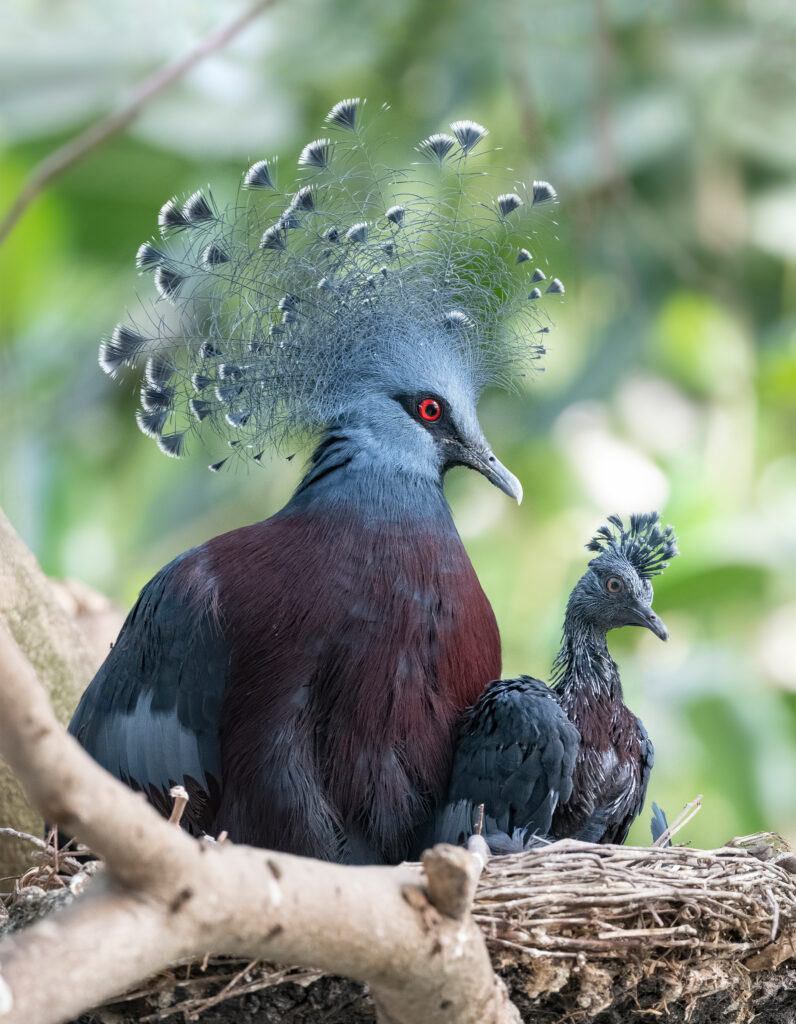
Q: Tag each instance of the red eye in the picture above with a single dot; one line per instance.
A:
(430, 409)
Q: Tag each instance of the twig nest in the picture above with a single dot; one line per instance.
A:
(617, 901)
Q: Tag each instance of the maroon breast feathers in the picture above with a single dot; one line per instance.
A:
(356, 647)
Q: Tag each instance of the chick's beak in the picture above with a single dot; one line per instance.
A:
(648, 619)
(483, 460)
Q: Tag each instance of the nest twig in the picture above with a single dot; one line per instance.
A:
(611, 901)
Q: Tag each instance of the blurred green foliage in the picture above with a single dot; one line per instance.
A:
(669, 130)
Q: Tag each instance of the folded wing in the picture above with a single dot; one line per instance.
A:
(515, 755)
(150, 716)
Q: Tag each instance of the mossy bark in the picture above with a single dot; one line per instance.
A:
(55, 647)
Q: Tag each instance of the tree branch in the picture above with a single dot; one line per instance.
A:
(51, 641)
(166, 897)
(53, 165)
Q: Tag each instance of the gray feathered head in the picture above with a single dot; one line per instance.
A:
(616, 590)
(277, 313)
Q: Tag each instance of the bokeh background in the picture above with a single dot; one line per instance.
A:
(669, 130)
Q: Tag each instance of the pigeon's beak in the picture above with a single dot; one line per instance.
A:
(646, 617)
(483, 460)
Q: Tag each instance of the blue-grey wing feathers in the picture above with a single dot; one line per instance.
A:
(150, 716)
(658, 823)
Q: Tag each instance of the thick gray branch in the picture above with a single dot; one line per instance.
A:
(54, 646)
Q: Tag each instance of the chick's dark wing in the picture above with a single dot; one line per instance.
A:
(515, 754)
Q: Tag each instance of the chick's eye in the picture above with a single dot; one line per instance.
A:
(430, 409)
(614, 585)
